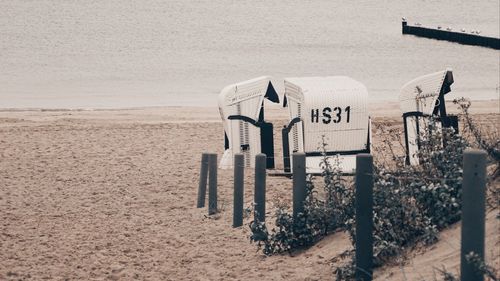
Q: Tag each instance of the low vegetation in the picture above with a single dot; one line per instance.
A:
(411, 203)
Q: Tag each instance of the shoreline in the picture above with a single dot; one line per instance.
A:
(201, 114)
(63, 109)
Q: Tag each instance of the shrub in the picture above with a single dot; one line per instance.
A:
(437, 181)
(486, 137)
(488, 141)
(479, 266)
(321, 216)
(411, 203)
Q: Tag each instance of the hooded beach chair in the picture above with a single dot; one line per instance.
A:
(329, 111)
(241, 107)
(420, 100)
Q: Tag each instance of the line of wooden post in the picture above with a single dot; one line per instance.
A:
(473, 206)
(209, 170)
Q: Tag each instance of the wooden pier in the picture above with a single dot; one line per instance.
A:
(452, 36)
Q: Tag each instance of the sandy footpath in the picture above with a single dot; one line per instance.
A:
(111, 194)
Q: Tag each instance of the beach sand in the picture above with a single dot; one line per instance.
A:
(111, 194)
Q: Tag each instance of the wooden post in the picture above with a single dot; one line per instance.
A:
(212, 184)
(299, 183)
(239, 166)
(473, 212)
(202, 188)
(364, 217)
(260, 188)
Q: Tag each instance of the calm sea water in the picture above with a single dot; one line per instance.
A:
(128, 53)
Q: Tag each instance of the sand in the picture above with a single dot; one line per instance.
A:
(111, 194)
